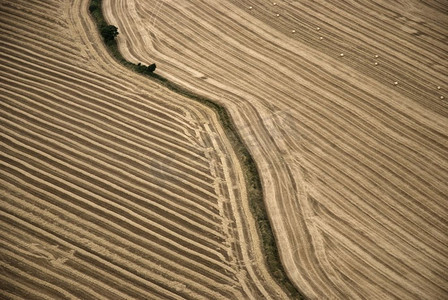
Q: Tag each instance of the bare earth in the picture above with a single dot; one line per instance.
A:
(112, 187)
(344, 106)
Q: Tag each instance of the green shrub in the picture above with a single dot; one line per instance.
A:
(109, 33)
(93, 7)
(151, 68)
(255, 191)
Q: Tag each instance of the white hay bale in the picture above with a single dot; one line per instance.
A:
(274, 3)
(318, 28)
(376, 64)
(250, 7)
(438, 87)
(376, 56)
(278, 15)
(441, 97)
(395, 82)
(341, 55)
(321, 38)
(293, 31)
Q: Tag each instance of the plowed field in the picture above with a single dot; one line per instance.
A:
(111, 186)
(343, 105)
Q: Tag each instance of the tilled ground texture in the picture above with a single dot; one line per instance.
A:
(343, 105)
(111, 186)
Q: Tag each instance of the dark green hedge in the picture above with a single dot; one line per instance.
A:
(255, 191)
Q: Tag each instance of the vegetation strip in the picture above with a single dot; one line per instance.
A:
(253, 182)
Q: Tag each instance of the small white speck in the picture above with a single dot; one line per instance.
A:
(341, 55)
(376, 64)
(278, 15)
(376, 56)
(250, 7)
(318, 28)
(441, 97)
(321, 38)
(293, 31)
(395, 82)
(438, 87)
(274, 3)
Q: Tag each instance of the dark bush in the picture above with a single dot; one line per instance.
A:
(255, 190)
(93, 7)
(109, 32)
(151, 68)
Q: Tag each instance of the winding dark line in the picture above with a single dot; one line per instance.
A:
(250, 169)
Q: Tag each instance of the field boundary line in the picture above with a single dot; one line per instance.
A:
(250, 169)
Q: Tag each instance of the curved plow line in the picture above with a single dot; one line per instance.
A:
(154, 18)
